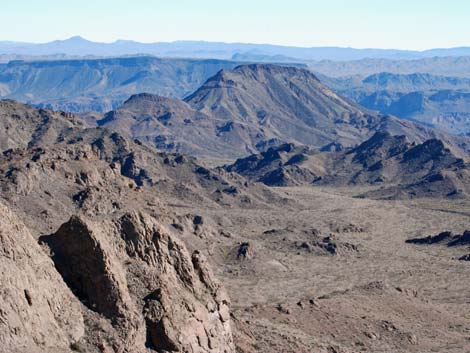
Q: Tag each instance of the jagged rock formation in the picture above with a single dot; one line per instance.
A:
(142, 279)
(135, 286)
(96, 171)
(278, 166)
(449, 240)
(245, 251)
(402, 168)
(326, 245)
(38, 313)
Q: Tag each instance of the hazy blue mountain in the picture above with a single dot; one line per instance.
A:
(102, 84)
(200, 49)
(399, 82)
(458, 66)
(263, 58)
(443, 102)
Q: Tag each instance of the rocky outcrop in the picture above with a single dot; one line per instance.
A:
(448, 238)
(24, 126)
(432, 239)
(141, 278)
(245, 251)
(185, 308)
(327, 245)
(38, 313)
(90, 268)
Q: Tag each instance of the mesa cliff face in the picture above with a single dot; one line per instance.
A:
(102, 84)
(439, 101)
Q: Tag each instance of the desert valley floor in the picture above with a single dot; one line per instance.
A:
(379, 294)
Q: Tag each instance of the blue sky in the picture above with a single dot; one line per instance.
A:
(411, 24)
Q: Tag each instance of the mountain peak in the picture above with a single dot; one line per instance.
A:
(380, 146)
(76, 39)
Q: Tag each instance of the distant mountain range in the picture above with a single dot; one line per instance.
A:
(83, 85)
(200, 49)
(102, 85)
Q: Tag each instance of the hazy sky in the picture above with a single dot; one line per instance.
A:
(404, 24)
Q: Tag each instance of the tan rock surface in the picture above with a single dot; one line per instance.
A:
(38, 312)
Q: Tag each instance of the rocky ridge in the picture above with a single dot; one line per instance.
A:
(125, 277)
(400, 168)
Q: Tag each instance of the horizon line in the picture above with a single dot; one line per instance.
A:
(228, 43)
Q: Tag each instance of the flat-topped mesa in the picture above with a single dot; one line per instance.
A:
(103, 84)
(236, 112)
(269, 87)
(258, 72)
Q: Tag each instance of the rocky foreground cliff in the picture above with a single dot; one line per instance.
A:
(121, 285)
